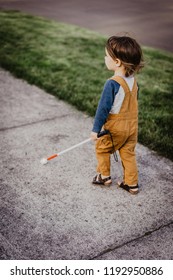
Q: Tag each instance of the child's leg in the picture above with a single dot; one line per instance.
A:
(103, 150)
(128, 157)
(103, 166)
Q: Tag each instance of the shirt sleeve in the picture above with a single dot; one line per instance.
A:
(110, 89)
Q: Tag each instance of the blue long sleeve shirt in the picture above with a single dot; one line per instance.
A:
(109, 92)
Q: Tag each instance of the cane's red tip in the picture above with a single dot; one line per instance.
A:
(53, 156)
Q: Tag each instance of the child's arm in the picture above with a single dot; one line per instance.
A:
(105, 104)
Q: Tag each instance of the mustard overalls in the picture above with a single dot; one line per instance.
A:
(124, 130)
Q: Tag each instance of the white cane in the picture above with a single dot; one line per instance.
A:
(46, 160)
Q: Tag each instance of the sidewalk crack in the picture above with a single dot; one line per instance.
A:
(32, 123)
(111, 248)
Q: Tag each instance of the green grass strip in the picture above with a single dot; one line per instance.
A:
(68, 62)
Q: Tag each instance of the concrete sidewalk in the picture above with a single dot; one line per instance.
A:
(53, 211)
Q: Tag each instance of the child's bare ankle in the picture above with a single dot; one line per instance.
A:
(103, 176)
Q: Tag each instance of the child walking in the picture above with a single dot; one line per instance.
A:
(117, 112)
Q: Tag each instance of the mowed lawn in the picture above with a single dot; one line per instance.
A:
(68, 62)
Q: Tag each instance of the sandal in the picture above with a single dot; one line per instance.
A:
(97, 180)
(129, 189)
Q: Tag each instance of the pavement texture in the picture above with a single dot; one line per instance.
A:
(149, 21)
(53, 211)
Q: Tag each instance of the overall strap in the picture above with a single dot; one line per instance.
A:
(122, 82)
(128, 93)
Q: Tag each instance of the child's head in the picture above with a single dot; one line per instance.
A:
(127, 52)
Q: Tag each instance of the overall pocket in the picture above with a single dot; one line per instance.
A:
(117, 126)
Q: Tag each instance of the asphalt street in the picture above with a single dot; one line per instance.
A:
(149, 21)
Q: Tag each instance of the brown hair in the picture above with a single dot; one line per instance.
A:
(128, 51)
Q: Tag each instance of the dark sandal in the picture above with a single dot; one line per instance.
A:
(129, 188)
(97, 180)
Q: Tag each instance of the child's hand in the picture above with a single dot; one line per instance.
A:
(93, 136)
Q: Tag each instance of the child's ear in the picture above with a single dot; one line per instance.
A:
(118, 62)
